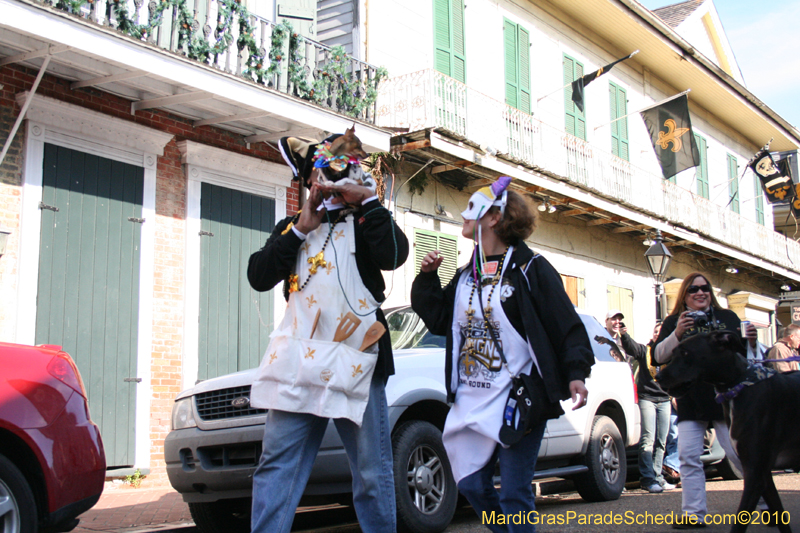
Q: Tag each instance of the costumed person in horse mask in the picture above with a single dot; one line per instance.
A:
(505, 314)
(331, 355)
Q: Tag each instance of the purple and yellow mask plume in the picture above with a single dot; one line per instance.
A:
(484, 198)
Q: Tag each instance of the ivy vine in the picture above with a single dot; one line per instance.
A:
(334, 85)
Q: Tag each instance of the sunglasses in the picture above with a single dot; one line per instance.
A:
(694, 289)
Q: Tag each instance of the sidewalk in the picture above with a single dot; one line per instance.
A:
(123, 508)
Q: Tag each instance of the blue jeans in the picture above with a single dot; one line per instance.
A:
(655, 426)
(671, 458)
(290, 446)
(517, 466)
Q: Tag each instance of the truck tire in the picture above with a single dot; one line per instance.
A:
(425, 491)
(230, 516)
(17, 505)
(605, 457)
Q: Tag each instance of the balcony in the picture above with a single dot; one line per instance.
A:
(428, 99)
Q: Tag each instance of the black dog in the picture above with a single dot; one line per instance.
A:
(760, 405)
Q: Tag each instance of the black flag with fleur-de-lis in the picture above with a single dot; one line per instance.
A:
(777, 184)
(671, 134)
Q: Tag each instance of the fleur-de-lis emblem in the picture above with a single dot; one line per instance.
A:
(340, 317)
(363, 304)
(311, 301)
(294, 323)
(310, 354)
(294, 284)
(673, 136)
(272, 357)
(357, 370)
(316, 262)
(305, 247)
(338, 234)
(329, 267)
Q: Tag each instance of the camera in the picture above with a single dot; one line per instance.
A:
(699, 317)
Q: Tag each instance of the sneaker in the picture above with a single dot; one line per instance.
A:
(654, 488)
(667, 486)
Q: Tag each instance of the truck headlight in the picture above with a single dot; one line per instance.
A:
(183, 415)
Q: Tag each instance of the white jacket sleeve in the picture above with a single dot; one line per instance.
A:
(665, 347)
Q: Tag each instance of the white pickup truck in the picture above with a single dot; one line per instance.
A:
(215, 442)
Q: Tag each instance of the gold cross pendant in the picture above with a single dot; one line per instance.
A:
(316, 262)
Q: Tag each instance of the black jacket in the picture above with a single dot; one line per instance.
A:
(699, 403)
(380, 245)
(553, 328)
(646, 387)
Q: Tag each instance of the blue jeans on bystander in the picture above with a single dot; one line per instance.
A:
(655, 426)
(671, 457)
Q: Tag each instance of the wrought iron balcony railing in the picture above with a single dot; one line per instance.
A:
(428, 99)
(224, 35)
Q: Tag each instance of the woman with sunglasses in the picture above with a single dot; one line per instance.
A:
(697, 311)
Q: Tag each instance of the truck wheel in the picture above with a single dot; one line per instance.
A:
(728, 472)
(606, 461)
(17, 506)
(425, 490)
(231, 516)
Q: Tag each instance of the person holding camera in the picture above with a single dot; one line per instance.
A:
(698, 311)
(506, 316)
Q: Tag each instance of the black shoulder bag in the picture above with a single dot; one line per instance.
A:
(527, 400)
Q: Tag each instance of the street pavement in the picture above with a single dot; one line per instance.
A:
(161, 510)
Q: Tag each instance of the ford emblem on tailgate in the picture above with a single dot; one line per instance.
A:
(241, 402)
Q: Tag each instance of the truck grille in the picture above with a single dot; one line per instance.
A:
(219, 404)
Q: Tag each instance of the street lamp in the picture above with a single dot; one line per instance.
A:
(658, 260)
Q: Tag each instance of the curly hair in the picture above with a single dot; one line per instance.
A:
(519, 219)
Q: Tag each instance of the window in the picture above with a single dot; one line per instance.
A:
(427, 241)
(448, 38)
(622, 299)
(575, 118)
(516, 43)
(759, 198)
(702, 169)
(618, 99)
(575, 290)
(733, 183)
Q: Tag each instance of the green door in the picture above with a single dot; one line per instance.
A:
(235, 320)
(88, 293)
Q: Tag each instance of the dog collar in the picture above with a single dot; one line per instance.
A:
(752, 375)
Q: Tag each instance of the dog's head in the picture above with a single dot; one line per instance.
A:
(717, 358)
(348, 145)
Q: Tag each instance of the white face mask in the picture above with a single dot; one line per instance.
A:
(484, 198)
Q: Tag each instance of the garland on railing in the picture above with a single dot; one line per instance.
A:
(349, 94)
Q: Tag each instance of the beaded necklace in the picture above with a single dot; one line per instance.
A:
(315, 261)
(487, 315)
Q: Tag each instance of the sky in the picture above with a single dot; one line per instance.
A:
(766, 42)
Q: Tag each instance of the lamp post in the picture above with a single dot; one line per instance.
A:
(658, 260)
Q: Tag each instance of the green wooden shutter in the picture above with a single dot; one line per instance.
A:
(459, 51)
(448, 38)
(235, 321)
(575, 120)
(88, 287)
(427, 241)
(702, 169)
(618, 104)
(759, 200)
(733, 183)
(524, 42)
(510, 61)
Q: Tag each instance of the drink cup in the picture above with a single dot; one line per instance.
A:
(745, 324)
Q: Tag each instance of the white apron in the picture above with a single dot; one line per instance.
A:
(318, 376)
(481, 382)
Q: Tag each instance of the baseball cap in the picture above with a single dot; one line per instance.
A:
(613, 313)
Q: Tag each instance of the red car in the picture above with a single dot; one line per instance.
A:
(52, 463)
